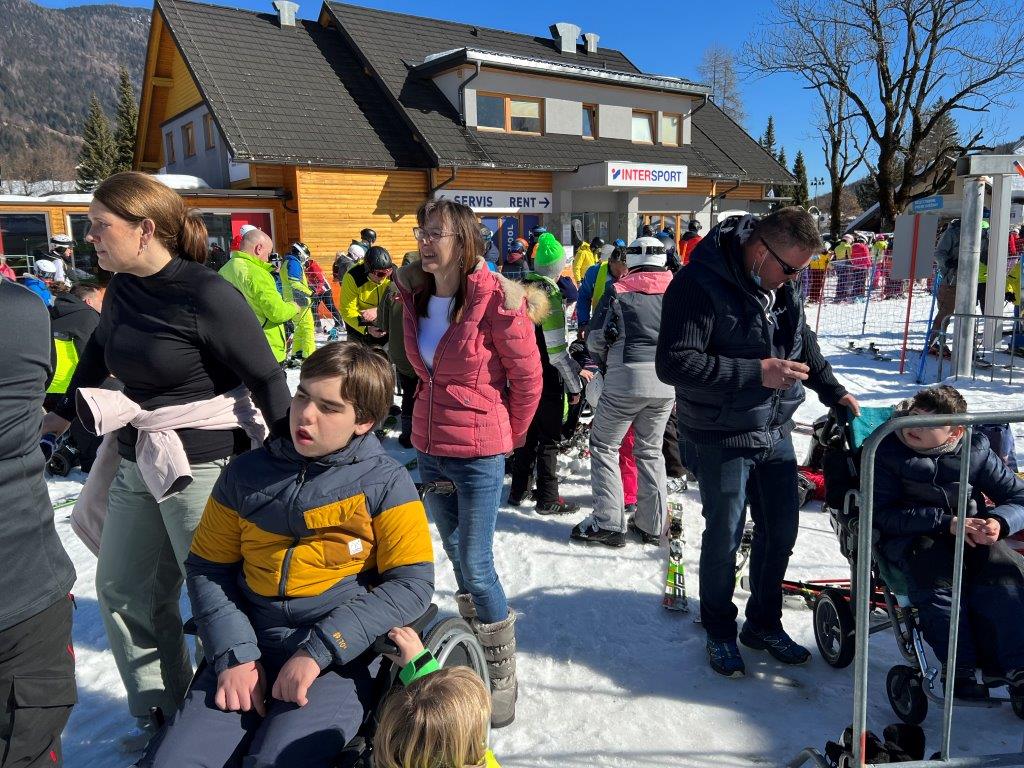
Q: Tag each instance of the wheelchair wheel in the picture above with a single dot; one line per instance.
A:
(906, 694)
(834, 628)
(454, 645)
(58, 465)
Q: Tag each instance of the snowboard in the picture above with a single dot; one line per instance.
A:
(674, 598)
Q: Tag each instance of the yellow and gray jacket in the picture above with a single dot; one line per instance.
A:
(359, 292)
(323, 555)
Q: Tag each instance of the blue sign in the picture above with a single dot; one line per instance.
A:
(509, 233)
(932, 203)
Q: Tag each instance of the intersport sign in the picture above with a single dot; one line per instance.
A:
(646, 175)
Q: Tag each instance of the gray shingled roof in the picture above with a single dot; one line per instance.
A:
(315, 105)
(392, 43)
(293, 95)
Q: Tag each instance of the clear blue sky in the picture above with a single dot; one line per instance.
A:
(664, 38)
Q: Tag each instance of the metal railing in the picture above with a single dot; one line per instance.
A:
(862, 583)
(978, 353)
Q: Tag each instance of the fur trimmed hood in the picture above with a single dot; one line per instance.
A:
(412, 279)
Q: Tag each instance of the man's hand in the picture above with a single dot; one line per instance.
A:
(242, 688)
(295, 677)
(574, 399)
(369, 315)
(851, 402)
(375, 331)
(54, 425)
(409, 645)
(586, 375)
(777, 373)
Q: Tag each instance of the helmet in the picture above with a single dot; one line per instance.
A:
(45, 269)
(665, 239)
(620, 243)
(357, 250)
(606, 251)
(61, 242)
(848, 238)
(596, 244)
(879, 238)
(518, 246)
(647, 231)
(486, 234)
(670, 231)
(826, 246)
(378, 258)
(693, 226)
(538, 231)
(301, 250)
(368, 236)
(524, 242)
(645, 251)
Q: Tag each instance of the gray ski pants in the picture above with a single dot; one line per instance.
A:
(614, 414)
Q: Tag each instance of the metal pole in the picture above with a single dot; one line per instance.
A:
(998, 247)
(867, 299)
(967, 273)
(958, 579)
(928, 340)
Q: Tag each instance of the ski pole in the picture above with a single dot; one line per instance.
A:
(928, 333)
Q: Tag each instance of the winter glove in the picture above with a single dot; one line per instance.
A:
(48, 444)
(301, 299)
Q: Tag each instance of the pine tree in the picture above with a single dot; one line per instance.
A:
(782, 190)
(768, 139)
(801, 196)
(127, 119)
(97, 158)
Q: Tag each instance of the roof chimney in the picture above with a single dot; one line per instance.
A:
(286, 12)
(591, 38)
(566, 35)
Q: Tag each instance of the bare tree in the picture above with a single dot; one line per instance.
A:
(903, 66)
(717, 69)
(842, 155)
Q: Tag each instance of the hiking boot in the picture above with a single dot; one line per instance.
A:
(515, 501)
(724, 657)
(405, 440)
(644, 536)
(779, 645)
(139, 737)
(467, 608)
(560, 507)
(587, 530)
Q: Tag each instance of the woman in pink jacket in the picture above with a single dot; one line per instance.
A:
(470, 336)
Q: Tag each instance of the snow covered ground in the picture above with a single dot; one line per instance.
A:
(608, 677)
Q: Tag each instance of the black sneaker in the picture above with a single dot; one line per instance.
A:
(588, 531)
(779, 645)
(644, 536)
(724, 657)
(560, 507)
(515, 501)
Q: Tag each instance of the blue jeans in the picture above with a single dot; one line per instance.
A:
(728, 478)
(466, 521)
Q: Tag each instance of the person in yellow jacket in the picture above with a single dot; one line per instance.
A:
(816, 272)
(249, 270)
(362, 290)
(440, 716)
(587, 255)
(304, 338)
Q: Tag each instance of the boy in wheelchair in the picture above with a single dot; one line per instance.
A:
(917, 475)
(309, 548)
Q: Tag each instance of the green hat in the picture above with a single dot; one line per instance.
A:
(549, 256)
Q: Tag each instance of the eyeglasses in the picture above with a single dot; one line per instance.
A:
(787, 269)
(422, 235)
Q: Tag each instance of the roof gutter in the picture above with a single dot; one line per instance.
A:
(445, 183)
(441, 62)
(462, 93)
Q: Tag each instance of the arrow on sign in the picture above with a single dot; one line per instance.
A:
(545, 202)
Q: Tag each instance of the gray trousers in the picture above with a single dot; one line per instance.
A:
(138, 583)
(612, 419)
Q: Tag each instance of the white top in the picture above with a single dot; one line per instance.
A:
(433, 326)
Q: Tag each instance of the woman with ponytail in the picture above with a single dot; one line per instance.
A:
(174, 334)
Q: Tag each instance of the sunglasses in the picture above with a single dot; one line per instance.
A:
(381, 272)
(787, 269)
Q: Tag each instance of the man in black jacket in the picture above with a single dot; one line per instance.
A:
(734, 343)
(37, 664)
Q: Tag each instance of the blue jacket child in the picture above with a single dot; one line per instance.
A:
(916, 491)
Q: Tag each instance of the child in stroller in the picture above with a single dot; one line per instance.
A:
(916, 490)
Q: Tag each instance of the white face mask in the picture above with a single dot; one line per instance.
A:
(756, 275)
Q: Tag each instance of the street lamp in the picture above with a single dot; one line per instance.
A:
(816, 182)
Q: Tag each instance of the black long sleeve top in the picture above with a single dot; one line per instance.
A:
(181, 336)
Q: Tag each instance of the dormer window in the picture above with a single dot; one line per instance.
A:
(509, 114)
(670, 125)
(589, 121)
